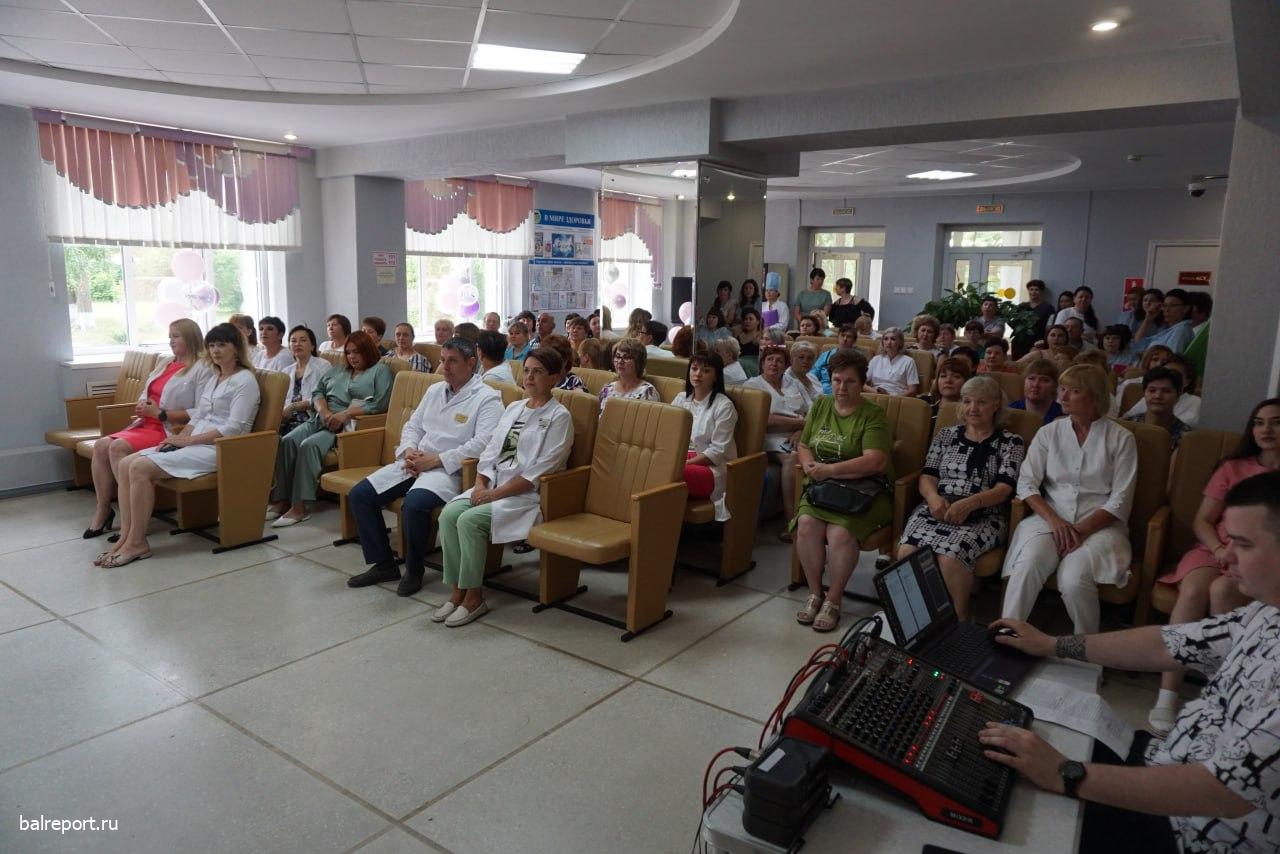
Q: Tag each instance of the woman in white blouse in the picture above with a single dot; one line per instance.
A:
(1078, 477)
(773, 311)
(304, 375)
(893, 372)
(789, 403)
(711, 442)
(629, 359)
(273, 354)
(803, 357)
(227, 406)
(533, 438)
(338, 327)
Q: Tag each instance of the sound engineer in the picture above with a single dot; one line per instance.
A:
(1216, 774)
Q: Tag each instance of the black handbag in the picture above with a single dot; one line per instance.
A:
(850, 497)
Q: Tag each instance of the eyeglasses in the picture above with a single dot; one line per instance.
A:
(619, 357)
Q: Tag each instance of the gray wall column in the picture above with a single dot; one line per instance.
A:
(362, 215)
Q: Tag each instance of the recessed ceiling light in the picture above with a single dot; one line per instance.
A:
(290, 137)
(684, 173)
(1104, 26)
(496, 57)
(941, 175)
(731, 196)
(679, 197)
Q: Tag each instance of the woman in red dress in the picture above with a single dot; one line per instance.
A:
(167, 395)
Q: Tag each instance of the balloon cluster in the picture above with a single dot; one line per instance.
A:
(186, 291)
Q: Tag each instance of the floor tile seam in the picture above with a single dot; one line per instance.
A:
(164, 590)
(70, 539)
(701, 701)
(427, 840)
(701, 638)
(28, 626)
(556, 649)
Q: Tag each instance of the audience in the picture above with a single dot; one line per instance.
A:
(1082, 309)
(773, 311)
(683, 343)
(577, 332)
(803, 356)
(652, 336)
(846, 308)
(1160, 390)
(1115, 344)
(809, 326)
(1154, 357)
(635, 323)
(530, 321)
(273, 355)
(469, 331)
(1055, 346)
(1040, 390)
(789, 403)
(518, 345)
(569, 381)
(1187, 409)
(996, 357)
(748, 296)
(304, 375)
(1066, 299)
(967, 482)
(713, 327)
(546, 327)
(1076, 338)
(729, 351)
(946, 339)
(711, 441)
(404, 336)
(492, 322)
(926, 332)
(492, 349)
(990, 319)
(1148, 317)
(593, 353)
(863, 327)
(1201, 310)
(725, 304)
(974, 334)
(1078, 479)
(814, 297)
(443, 330)
(338, 327)
(629, 359)
(1177, 333)
(1044, 312)
(245, 324)
(892, 371)
(376, 328)
(953, 373)
(846, 339)
(750, 335)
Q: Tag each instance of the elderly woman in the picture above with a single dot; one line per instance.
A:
(1202, 577)
(338, 327)
(773, 311)
(404, 336)
(167, 397)
(360, 387)
(1160, 389)
(443, 330)
(893, 372)
(227, 406)
(711, 442)
(729, 350)
(533, 438)
(789, 403)
(304, 375)
(926, 332)
(967, 481)
(845, 438)
(1040, 391)
(629, 359)
(1078, 479)
(803, 357)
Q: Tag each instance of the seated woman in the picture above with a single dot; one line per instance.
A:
(1153, 357)
(569, 381)
(629, 359)
(803, 357)
(592, 354)
(273, 355)
(1040, 390)
(1115, 343)
(789, 403)
(952, 375)
(1187, 409)
(376, 328)
(360, 387)
(683, 345)
(1150, 321)
(893, 372)
(750, 339)
(167, 397)
(711, 442)
(966, 483)
(926, 332)
(518, 345)
(227, 406)
(808, 326)
(1054, 347)
(725, 304)
(491, 348)
(1078, 479)
(974, 334)
(404, 336)
(533, 438)
(304, 374)
(728, 350)
(249, 330)
(846, 339)
(845, 437)
(577, 330)
(443, 330)
(1160, 389)
(713, 328)
(1202, 577)
(338, 327)
(996, 357)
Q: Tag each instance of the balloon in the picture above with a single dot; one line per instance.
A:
(671, 334)
(187, 265)
(469, 299)
(202, 296)
(686, 312)
(447, 296)
(171, 290)
(612, 273)
(619, 301)
(1008, 293)
(167, 312)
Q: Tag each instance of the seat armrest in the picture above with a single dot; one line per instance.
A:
(744, 465)
(906, 495)
(360, 448)
(246, 449)
(114, 417)
(470, 465)
(659, 508)
(1017, 512)
(367, 422)
(82, 412)
(1157, 536)
(564, 493)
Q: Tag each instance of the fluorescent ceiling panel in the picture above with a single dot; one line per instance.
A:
(493, 57)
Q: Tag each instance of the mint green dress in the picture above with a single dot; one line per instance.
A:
(810, 300)
(833, 438)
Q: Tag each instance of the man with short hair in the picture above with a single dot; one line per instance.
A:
(992, 322)
(546, 328)
(1178, 334)
(846, 339)
(1215, 776)
(653, 334)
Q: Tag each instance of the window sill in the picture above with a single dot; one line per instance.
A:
(100, 360)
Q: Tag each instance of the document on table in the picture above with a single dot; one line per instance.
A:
(1077, 710)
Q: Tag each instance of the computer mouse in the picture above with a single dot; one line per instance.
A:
(1001, 631)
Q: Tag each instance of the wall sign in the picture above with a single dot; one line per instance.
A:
(561, 275)
(998, 207)
(1195, 277)
(1132, 283)
(842, 211)
(385, 267)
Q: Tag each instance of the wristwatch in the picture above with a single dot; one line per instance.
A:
(1072, 773)
(162, 416)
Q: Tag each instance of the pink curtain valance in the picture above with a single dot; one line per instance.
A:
(618, 216)
(136, 170)
(431, 205)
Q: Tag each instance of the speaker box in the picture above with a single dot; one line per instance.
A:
(681, 293)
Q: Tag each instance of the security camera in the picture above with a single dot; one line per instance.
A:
(1195, 189)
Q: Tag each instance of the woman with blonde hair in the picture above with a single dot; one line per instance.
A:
(166, 397)
(591, 354)
(636, 323)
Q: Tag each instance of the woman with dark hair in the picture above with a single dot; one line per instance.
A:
(713, 327)
(846, 308)
(1153, 357)
(338, 327)
(578, 331)
(748, 295)
(725, 304)
(1160, 390)
(404, 336)
(305, 374)
(245, 324)
(789, 403)
(953, 373)
(1115, 343)
(376, 328)
(750, 337)
(814, 297)
(1204, 584)
(629, 359)
(1082, 307)
(569, 381)
(227, 406)
(1055, 347)
(491, 347)
(711, 442)
(533, 438)
(1148, 319)
(273, 355)
(360, 387)
(1066, 299)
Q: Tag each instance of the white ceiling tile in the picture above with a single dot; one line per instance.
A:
(221, 81)
(308, 69)
(413, 52)
(482, 79)
(136, 73)
(135, 33)
(336, 46)
(545, 32)
(194, 62)
(599, 63)
(188, 11)
(108, 55)
(466, 4)
(411, 21)
(689, 13)
(607, 9)
(40, 24)
(52, 5)
(646, 38)
(417, 78)
(379, 89)
(316, 87)
(321, 16)
(8, 51)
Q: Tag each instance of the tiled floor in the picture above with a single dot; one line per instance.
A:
(252, 702)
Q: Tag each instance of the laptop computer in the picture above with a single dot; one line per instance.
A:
(923, 620)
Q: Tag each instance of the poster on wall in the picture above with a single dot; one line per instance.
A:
(561, 275)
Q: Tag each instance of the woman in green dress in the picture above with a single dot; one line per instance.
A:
(814, 298)
(844, 438)
(360, 387)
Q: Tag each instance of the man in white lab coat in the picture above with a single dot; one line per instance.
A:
(454, 421)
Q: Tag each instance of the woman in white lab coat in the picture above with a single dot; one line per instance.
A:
(226, 406)
(1078, 477)
(452, 422)
(711, 442)
(533, 438)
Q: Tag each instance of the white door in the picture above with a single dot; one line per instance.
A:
(1003, 268)
(1182, 264)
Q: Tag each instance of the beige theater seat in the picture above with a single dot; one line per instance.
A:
(666, 367)
(431, 351)
(926, 367)
(595, 378)
(1011, 384)
(1130, 396)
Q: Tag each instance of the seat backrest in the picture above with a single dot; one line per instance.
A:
(585, 410)
(926, 366)
(273, 390)
(1199, 453)
(820, 342)
(911, 423)
(666, 367)
(639, 445)
(753, 418)
(135, 367)
(396, 365)
(510, 393)
(1011, 384)
(331, 356)
(1131, 395)
(1025, 424)
(517, 370)
(668, 387)
(1152, 492)
(595, 378)
(406, 393)
(869, 346)
(431, 351)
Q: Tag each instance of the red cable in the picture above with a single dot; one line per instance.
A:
(707, 773)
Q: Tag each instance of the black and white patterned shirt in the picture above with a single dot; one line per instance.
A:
(1233, 728)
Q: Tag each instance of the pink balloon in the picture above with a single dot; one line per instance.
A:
(619, 301)
(202, 296)
(188, 265)
(168, 312)
(686, 312)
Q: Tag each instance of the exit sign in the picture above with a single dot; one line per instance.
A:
(996, 208)
(842, 211)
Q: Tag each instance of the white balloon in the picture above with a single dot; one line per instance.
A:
(686, 312)
(171, 289)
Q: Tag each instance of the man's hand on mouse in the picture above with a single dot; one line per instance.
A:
(1025, 638)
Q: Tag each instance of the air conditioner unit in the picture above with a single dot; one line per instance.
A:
(101, 388)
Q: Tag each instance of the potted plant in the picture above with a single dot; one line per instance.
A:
(965, 303)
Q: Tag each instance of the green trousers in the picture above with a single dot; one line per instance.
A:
(464, 539)
(300, 460)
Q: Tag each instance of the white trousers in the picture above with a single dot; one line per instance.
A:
(1102, 559)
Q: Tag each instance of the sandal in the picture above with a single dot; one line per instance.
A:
(103, 557)
(117, 560)
(805, 615)
(828, 618)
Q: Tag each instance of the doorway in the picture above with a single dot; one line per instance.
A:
(857, 255)
(1005, 259)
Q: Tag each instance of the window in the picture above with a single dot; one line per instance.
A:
(1004, 260)
(849, 238)
(459, 288)
(626, 274)
(126, 296)
(1008, 239)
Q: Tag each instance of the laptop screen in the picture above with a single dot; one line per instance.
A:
(915, 596)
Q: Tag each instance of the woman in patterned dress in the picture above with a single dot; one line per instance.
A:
(967, 481)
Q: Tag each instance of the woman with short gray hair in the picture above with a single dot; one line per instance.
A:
(967, 481)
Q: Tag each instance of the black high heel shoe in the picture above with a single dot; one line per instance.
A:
(91, 533)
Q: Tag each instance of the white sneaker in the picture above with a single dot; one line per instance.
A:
(1161, 719)
(286, 521)
(461, 616)
(442, 613)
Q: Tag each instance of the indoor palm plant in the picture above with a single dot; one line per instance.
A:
(965, 303)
